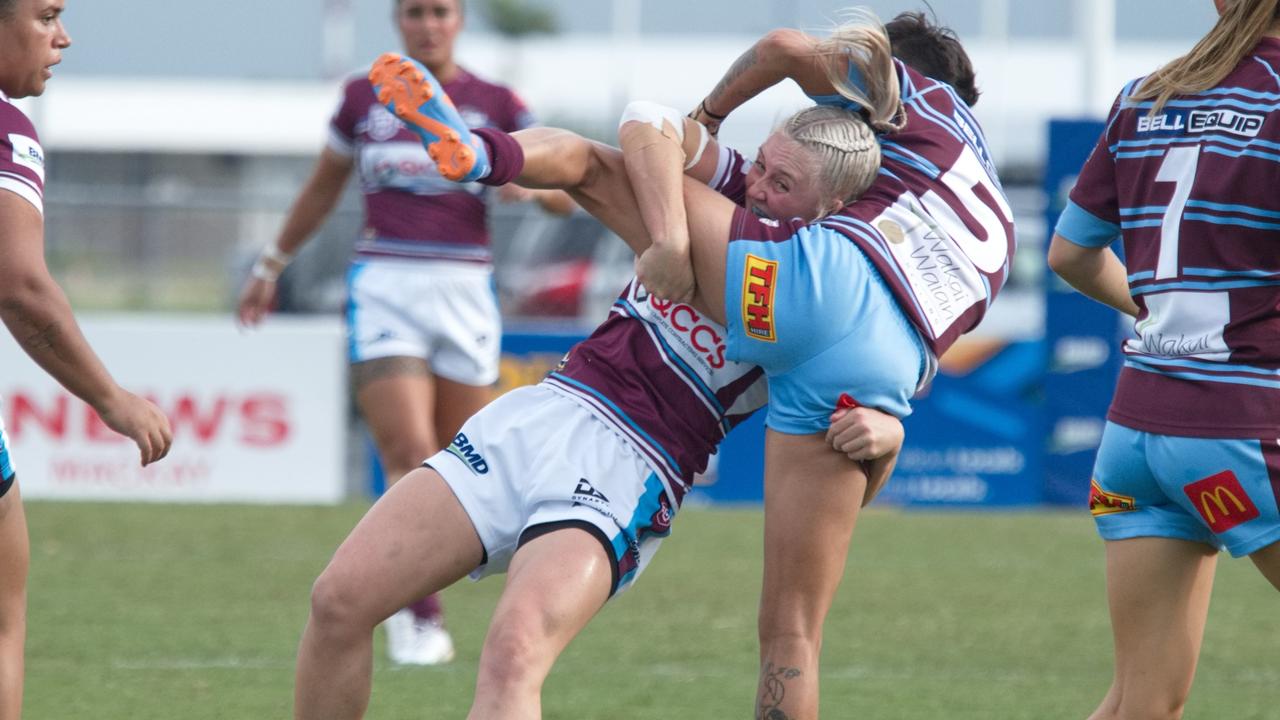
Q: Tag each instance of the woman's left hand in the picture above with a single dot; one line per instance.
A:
(864, 433)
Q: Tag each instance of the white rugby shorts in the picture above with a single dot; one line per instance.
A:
(7, 470)
(443, 312)
(534, 460)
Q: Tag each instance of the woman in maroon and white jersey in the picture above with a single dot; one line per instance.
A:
(1185, 174)
(36, 311)
(423, 323)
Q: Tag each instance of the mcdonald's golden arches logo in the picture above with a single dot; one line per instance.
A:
(1221, 501)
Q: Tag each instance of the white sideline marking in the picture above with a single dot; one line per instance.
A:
(682, 671)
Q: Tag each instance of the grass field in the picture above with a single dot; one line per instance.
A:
(145, 611)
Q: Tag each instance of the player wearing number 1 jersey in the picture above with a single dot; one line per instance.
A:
(1186, 173)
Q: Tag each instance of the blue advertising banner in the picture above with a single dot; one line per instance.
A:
(974, 440)
(1081, 334)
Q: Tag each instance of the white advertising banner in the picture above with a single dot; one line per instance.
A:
(258, 416)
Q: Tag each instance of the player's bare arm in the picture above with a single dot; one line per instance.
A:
(819, 66)
(314, 203)
(37, 313)
(658, 146)
(1096, 272)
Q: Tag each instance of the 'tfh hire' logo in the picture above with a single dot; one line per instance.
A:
(467, 453)
(758, 283)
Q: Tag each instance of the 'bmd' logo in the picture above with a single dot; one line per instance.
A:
(466, 452)
(1221, 501)
(758, 284)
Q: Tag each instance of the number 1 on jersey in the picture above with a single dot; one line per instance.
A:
(1179, 167)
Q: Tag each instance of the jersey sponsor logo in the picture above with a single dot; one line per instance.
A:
(1102, 502)
(1221, 501)
(975, 139)
(381, 124)
(1174, 121)
(586, 492)
(702, 335)
(892, 231)
(462, 448)
(660, 521)
(758, 284)
(1236, 123)
(474, 117)
(27, 153)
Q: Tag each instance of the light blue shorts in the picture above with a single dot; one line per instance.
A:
(805, 304)
(1219, 492)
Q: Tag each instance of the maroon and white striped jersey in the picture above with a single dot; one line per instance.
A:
(21, 157)
(1191, 190)
(656, 372)
(935, 223)
(410, 211)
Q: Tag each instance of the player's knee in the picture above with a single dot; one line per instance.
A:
(514, 653)
(335, 604)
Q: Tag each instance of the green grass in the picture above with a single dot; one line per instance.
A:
(155, 611)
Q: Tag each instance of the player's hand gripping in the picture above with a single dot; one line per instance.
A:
(140, 421)
(864, 433)
(667, 271)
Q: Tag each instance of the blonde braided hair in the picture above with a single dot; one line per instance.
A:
(844, 146)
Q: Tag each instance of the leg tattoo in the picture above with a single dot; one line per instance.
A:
(773, 690)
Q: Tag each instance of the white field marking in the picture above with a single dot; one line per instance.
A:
(236, 663)
(692, 672)
(228, 663)
(682, 671)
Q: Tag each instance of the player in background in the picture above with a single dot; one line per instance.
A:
(568, 486)
(423, 322)
(935, 229)
(36, 311)
(1186, 174)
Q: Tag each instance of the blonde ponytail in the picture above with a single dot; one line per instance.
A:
(1240, 27)
(861, 41)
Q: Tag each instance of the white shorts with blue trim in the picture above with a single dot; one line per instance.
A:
(7, 471)
(443, 312)
(534, 459)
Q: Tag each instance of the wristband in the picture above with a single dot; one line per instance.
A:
(702, 106)
(262, 271)
(273, 253)
(270, 263)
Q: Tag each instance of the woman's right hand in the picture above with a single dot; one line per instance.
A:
(256, 300)
(139, 420)
(667, 272)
